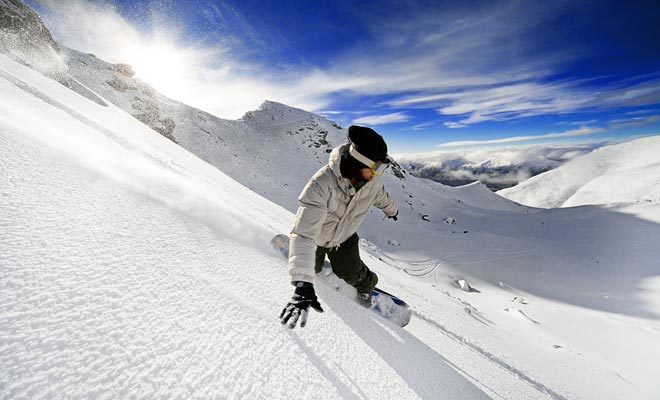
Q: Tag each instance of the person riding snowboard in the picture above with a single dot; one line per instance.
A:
(332, 206)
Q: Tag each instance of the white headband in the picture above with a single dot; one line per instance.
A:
(358, 156)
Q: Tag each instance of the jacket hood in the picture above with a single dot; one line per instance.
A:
(334, 163)
(335, 159)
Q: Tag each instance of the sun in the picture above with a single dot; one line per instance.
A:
(161, 65)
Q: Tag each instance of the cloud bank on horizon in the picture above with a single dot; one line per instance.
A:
(424, 73)
(497, 167)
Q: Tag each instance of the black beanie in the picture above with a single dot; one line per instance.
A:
(368, 142)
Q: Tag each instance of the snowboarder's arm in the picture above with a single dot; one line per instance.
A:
(311, 214)
(385, 202)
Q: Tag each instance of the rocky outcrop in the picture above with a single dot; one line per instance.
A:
(146, 111)
(25, 38)
(21, 26)
(313, 134)
(123, 69)
(397, 170)
(120, 84)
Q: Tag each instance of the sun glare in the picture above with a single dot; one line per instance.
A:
(161, 65)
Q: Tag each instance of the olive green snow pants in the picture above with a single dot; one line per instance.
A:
(347, 265)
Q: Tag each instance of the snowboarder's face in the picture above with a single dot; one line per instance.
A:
(365, 174)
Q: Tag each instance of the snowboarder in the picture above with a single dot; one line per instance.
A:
(332, 206)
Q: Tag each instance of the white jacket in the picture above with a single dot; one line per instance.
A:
(330, 212)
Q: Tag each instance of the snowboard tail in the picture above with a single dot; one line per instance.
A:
(382, 303)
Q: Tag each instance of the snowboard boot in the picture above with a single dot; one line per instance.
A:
(364, 299)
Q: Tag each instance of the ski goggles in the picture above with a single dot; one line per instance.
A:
(377, 167)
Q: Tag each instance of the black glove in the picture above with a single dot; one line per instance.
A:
(394, 216)
(303, 297)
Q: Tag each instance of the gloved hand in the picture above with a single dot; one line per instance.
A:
(303, 297)
(394, 216)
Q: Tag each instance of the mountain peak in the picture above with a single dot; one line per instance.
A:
(271, 111)
(270, 106)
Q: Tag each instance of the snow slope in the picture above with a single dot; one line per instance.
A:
(131, 268)
(623, 173)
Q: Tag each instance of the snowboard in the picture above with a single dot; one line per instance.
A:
(384, 304)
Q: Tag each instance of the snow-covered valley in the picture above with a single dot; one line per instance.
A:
(131, 266)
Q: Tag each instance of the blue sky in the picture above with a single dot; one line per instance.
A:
(428, 75)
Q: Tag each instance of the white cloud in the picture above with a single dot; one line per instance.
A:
(424, 125)
(212, 78)
(513, 101)
(583, 123)
(575, 132)
(455, 125)
(429, 60)
(637, 121)
(501, 156)
(504, 165)
(640, 112)
(383, 119)
(422, 58)
(402, 58)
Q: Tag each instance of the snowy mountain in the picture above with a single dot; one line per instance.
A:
(243, 149)
(135, 263)
(627, 173)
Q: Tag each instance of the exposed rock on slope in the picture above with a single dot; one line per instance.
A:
(23, 27)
